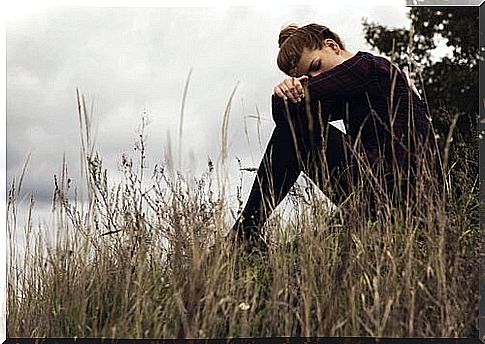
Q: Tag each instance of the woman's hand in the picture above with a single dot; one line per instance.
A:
(291, 88)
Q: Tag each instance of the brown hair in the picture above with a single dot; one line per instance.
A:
(293, 40)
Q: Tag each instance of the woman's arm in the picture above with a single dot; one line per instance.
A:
(350, 78)
(353, 77)
(325, 109)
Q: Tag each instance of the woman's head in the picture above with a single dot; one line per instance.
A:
(308, 49)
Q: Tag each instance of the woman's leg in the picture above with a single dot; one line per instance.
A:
(333, 167)
(278, 171)
(289, 151)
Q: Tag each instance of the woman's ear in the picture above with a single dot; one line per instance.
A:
(332, 45)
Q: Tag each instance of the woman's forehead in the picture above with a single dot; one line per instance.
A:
(306, 59)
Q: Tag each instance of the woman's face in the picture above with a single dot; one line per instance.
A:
(314, 62)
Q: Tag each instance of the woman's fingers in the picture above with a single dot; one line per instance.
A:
(284, 92)
(298, 82)
(291, 88)
(280, 93)
(295, 89)
(303, 78)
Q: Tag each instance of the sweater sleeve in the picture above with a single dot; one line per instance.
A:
(328, 107)
(350, 78)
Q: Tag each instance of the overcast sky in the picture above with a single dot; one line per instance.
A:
(131, 60)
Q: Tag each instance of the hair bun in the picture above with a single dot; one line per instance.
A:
(286, 33)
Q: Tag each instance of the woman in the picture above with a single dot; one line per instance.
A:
(387, 127)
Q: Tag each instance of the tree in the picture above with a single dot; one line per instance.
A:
(449, 84)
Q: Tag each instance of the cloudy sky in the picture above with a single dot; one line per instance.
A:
(133, 60)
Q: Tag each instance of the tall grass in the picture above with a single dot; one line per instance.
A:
(146, 257)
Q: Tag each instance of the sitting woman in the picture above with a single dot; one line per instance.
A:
(387, 127)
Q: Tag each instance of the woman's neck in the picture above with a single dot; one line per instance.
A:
(347, 54)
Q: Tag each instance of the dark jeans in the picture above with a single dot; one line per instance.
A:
(297, 144)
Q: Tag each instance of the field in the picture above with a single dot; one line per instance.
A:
(147, 257)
